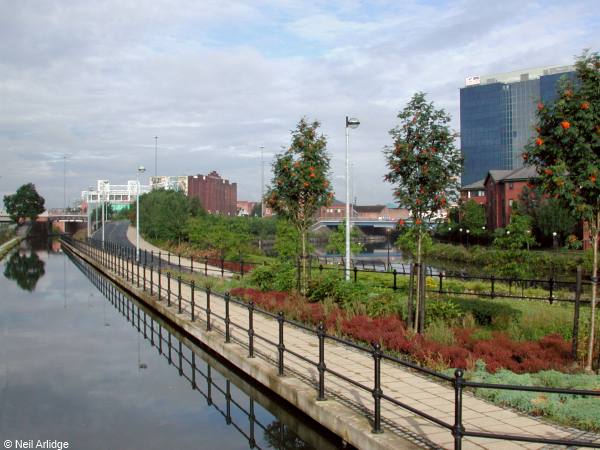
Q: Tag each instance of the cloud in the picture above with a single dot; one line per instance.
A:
(216, 80)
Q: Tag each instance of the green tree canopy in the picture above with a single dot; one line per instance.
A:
(472, 217)
(25, 203)
(424, 167)
(300, 184)
(566, 153)
(164, 213)
(336, 242)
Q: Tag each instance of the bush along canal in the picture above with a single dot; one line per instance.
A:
(85, 364)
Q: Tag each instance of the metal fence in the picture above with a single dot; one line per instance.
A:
(172, 295)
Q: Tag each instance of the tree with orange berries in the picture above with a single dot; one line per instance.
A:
(566, 152)
(300, 184)
(424, 166)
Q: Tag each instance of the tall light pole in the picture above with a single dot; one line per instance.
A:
(262, 181)
(89, 212)
(141, 169)
(102, 198)
(155, 156)
(350, 123)
(64, 184)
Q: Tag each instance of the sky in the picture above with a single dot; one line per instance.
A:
(86, 85)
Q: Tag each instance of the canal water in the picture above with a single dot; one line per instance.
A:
(82, 363)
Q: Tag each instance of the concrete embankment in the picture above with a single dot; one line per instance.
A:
(9, 245)
(350, 424)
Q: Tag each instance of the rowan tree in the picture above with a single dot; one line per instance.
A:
(300, 184)
(566, 153)
(424, 167)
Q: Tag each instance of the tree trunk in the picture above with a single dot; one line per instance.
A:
(594, 231)
(303, 259)
(418, 284)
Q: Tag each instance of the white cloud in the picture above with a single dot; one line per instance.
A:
(215, 80)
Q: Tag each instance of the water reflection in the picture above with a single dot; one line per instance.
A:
(254, 414)
(24, 269)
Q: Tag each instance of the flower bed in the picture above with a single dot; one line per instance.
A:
(550, 352)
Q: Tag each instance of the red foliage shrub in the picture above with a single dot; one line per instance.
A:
(550, 352)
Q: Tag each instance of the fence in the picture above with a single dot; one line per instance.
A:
(172, 294)
(196, 371)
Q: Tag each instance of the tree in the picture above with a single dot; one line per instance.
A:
(25, 270)
(424, 166)
(473, 217)
(164, 213)
(300, 184)
(337, 240)
(25, 203)
(566, 153)
(517, 234)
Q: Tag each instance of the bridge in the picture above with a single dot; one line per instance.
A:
(361, 223)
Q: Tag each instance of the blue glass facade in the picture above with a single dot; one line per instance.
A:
(498, 119)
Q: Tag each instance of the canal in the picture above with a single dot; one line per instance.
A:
(82, 363)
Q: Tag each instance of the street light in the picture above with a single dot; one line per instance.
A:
(141, 169)
(388, 231)
(350, 123)
(89, 213)
(262, 181)
(468, 231)
(554, 240)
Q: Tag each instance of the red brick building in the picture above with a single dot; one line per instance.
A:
(216, 195)
(474, 191)
(502, 189)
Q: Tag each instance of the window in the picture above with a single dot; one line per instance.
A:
(510, 186)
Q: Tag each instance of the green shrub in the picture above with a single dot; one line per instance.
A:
(442, 310)
(262, 277)
(440, 332)
(278, 276)
(487, 313)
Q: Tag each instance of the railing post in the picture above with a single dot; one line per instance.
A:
(138, 274)
(280, 346)
(192, 288)
(251, 330)
(179, 293)
(159, 283)
(321, 366)
(192, 264)
(159, 259)
(493, 282)
(395, 272)
(458, 429)
(242, 268)
(377, 392)
(168, 259)
(355, 273)
(222, 267)
(227, 320)
(145, 257)
(168, 288)
(151, 280)
(144, 278)
(440, 289)
(205, 265)
(320, 268)
(208, 308)
(151, 256)
(179, 262)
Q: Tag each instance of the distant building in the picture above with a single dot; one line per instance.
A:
(245, 207)
(498, 114)
(216, 195)
(474, 191)
(118, 195)
(502, 189)
(173, 183)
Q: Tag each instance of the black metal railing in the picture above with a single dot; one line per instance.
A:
(458, 382)
(216, 390)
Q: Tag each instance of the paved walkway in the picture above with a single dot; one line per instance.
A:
(198, 266)
(397, 382)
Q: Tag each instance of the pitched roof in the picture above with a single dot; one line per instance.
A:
(369, 208)
(524, 173)
(498, 175)
(477, 185)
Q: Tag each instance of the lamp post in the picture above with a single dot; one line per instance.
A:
(554, 240)
(388, 231)
(102, 205)
(528, 235)
(89, 212)
(262, 181)
(350, 123)
(468, 231)
(141, 169)
(460, 231)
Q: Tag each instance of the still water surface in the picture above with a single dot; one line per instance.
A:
(75, 368)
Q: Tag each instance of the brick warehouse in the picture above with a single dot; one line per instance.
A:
(216, 195)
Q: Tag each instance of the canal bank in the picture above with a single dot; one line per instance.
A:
(385, 393)
(343, 419)
(74, 369)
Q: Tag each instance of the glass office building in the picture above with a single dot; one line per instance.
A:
(498, 114)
